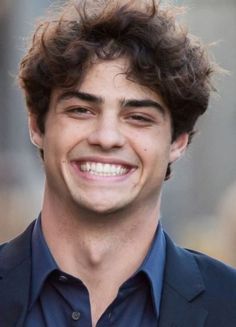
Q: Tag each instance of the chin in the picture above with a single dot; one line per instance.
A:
(100, 208)
(103, 209)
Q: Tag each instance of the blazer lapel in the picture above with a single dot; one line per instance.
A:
(15, 275)
(182, 290)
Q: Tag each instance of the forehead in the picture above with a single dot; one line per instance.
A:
(109, 78)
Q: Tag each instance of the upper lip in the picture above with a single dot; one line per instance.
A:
(111, 161)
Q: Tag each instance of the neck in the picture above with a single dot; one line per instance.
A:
(88, 245)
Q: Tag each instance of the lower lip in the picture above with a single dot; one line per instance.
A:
(92, 177)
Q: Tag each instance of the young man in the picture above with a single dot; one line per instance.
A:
(113, 92)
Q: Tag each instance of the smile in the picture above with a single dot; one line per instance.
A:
(103, 169)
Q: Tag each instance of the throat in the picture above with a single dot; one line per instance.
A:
(98, 251)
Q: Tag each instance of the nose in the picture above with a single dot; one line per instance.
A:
(107, 133)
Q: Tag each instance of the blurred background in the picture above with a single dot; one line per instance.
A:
(199, 202)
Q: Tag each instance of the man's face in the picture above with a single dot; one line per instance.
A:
(107, 143)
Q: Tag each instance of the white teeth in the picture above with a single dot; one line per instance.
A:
(101, 169)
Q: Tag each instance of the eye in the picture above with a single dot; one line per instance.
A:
(79, 112)
(140, 119)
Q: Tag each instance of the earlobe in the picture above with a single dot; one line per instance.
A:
(178, 147)
(34, 132)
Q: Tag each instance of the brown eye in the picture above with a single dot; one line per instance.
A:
(141, 118)
(79, 110)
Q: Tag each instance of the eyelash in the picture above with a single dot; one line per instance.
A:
(141, 118)
(79, 110)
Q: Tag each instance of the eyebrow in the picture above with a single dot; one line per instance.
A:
(125, 103)
(147, 103)
(81, 96)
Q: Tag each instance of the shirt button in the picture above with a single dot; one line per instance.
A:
(62, 278)
(75, 315)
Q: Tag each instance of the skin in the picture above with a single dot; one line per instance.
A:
(88, 219)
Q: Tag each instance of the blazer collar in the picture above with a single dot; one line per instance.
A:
(15, 270)
(182, 289)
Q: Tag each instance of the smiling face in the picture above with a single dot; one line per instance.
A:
(107, 143)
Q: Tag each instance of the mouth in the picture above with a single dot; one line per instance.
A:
(101, 169)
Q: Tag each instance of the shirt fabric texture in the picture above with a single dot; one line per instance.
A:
(59, 300)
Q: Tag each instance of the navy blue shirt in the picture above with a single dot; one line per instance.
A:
(59, 300)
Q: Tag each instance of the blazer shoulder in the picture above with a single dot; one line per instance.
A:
(16, 250)
(209, 264)
(194, 267)
(195, 281)
(219, 277)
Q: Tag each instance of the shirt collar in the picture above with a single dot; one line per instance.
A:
(42, 261)
(154, 265)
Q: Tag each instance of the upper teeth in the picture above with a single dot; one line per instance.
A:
(98, 168)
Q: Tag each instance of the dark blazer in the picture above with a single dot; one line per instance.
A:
(197, 292)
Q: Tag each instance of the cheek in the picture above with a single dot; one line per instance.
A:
(140, 147)
(64, 137)
(144, 148)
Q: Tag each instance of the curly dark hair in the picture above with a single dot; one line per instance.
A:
(162, 56)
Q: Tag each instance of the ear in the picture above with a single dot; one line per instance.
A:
(36, 136)
(178, 147)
